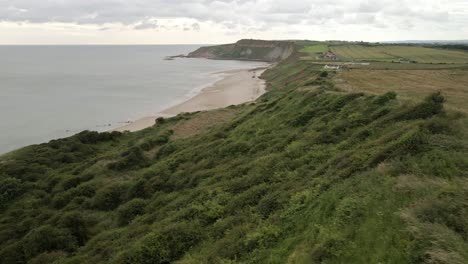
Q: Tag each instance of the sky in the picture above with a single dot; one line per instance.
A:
(224, 21)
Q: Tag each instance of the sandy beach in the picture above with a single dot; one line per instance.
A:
(237, 87)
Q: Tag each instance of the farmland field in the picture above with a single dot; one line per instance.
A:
(410, 84)
(359, 52)
(394, 53)
(314, 49)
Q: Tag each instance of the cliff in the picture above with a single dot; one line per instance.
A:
(248, 49)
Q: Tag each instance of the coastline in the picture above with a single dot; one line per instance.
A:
(235, 87)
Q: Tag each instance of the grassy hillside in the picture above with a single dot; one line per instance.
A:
(310, 173)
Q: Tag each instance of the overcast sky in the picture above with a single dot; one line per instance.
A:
(222, 21)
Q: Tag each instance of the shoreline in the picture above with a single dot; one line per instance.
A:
(235, 87)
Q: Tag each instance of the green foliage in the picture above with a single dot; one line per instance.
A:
(47, 238)
(93, 137)
(432, 105)
(128, 211)
(10, 189)
(131, 159)
(109, 197)
(163, 246)
(76, 224)
(307, 174)
(48, 257)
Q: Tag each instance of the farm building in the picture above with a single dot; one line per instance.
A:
(329, 55)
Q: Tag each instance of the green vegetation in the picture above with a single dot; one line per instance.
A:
(307, 174)
(395, 53)
(360, 52)
(314, 49)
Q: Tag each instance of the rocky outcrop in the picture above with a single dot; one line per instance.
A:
(247, 49)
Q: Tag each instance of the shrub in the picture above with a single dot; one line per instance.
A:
(432, 105)
(303, 118)
(109, 197)
(132, 159)
(234, 148)
(165, 151)
(61, 199)
(47, 238)
(71, 183)
(384, 98)
(10, 189)
(93, 137)
(48, 257)
(324, 74)
(74, 221)
(128, 211)
(160, 120)
(159, 140)
(12, 253)
(164, 246)
(139, 189)
(268, 204)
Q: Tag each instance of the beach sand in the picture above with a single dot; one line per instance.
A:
(237, 87)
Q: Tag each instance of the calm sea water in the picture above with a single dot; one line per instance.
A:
(48, 92)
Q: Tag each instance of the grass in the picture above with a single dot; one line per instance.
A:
(395, 53)
(359, 52)
(309, 173)
(410, 84)
(314, 49)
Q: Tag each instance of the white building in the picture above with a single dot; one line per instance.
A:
(331, 67)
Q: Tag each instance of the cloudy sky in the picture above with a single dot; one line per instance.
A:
(222, 21)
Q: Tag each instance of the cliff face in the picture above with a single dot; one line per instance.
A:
(247, 49)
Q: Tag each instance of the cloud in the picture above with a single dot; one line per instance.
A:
(241, 15)
(147, 25)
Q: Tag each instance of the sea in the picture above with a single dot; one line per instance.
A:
(50, 92)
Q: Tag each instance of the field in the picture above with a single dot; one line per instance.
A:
(412, 84)
(359, 52)
(315, 49)
(312, 51)
(395, 53)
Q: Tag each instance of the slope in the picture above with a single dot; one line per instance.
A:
(307, 174)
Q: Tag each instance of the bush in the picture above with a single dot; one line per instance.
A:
(160, 120)
(12, 253)
(10, 189)
(108, 198)
(48, 257)
(71, 183)
(165, 151)
(61, 199)
(128, 211)
(432, 105)
(164, 246)
(324, 74)
(303, 118)
(159, 140)
(269, 204)
(93, 137)
(384, 98)
(48, 238)
(132, 159)
(74, 221)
